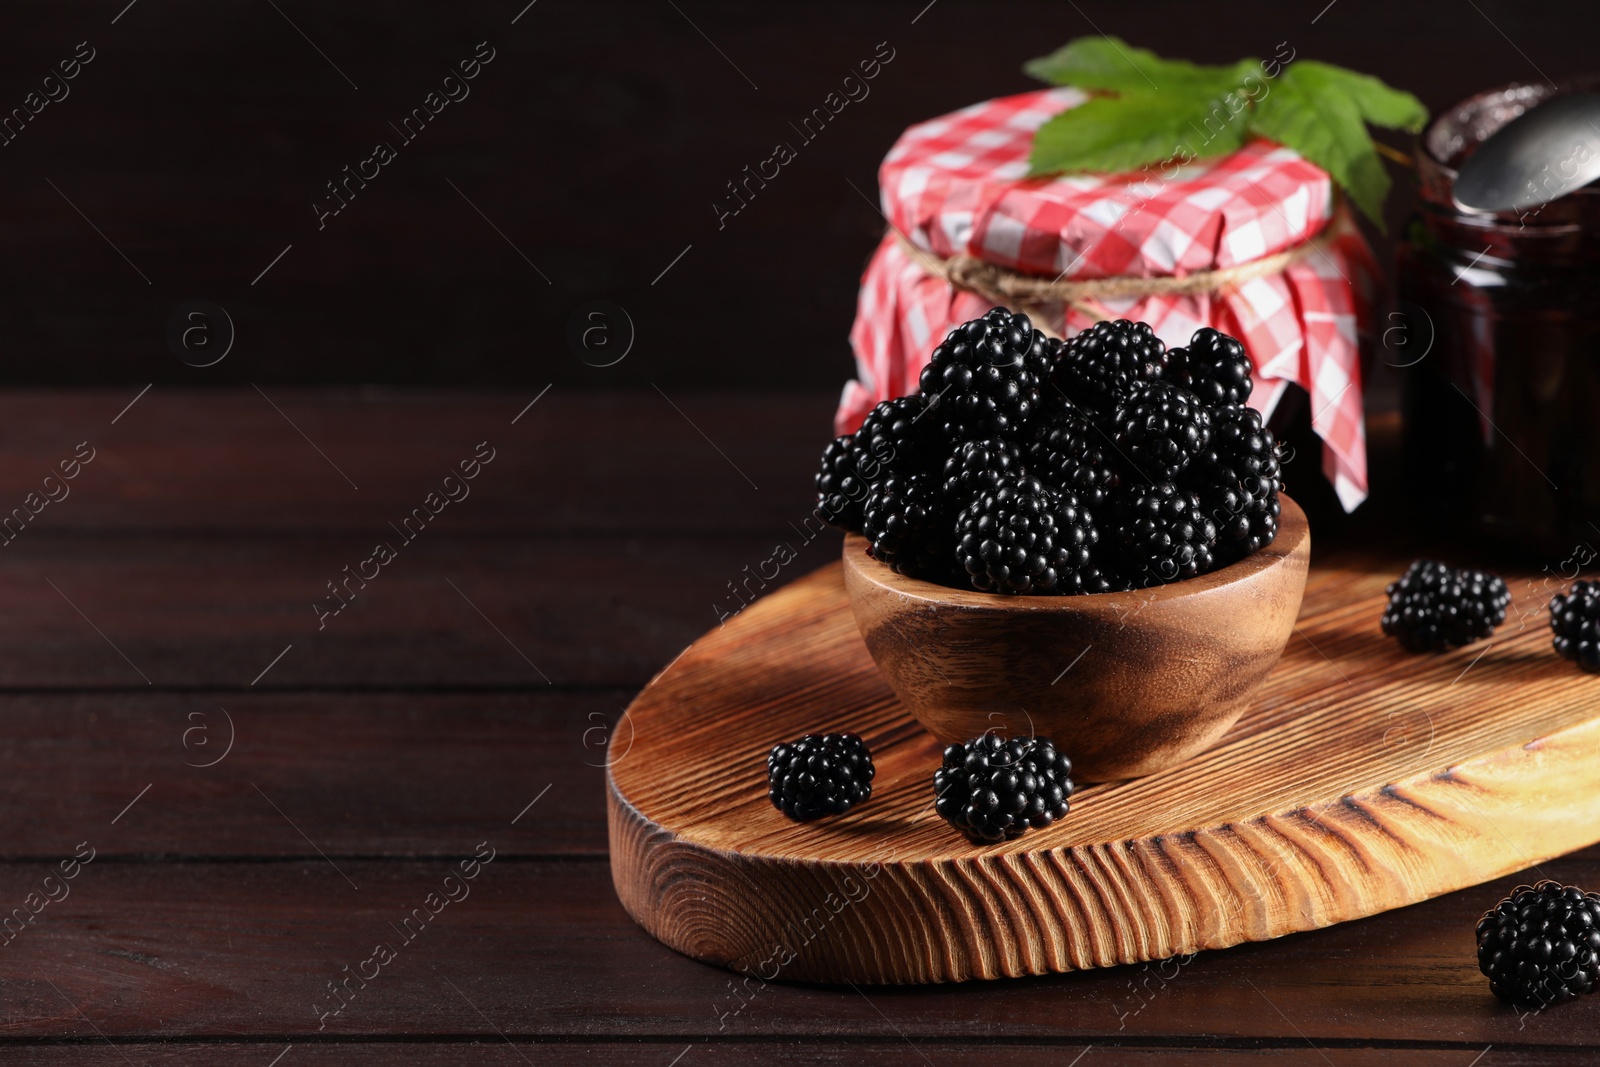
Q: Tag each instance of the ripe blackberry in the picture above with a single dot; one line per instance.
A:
(983, 381)
(1541, 944)
(1162, 534)
(1575, 624)
(1071, 455)
(1433, 608)
(844, 482)
(1160, 427)
(1241, 441)
(820, 774)
(910, 523)
(899, 435)
(1238, 481)
(1213, 367)
(1023, 537)
(993, 789)
(1097, 577)
(1098, 366)
(979, 465)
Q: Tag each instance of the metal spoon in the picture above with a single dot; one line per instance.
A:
(1545, 153)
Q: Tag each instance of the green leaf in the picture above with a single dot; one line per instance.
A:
(1117, 134)
(1378, 104)
(1308, 111)
(1166, 108)
(1110, 65)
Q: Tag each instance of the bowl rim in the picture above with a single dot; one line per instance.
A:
(1293, 532)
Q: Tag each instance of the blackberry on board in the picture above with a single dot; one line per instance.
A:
(1075, 456)
(1214, 367)
(983, 380)
(1575, 624)
(1160, 428)
(1100, 365)
(910, 523)
(1023, 537)
(994, 789)
(1541, 944)
(1161, 533)
(820, 774)
(1434, 608)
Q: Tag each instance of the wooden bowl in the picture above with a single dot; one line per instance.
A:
(1126, 683)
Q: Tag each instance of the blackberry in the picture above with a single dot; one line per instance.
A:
(910, 523)
(1541, 944)
(845, 481)
(1238, 481)
(1023, 537)
(1162, 534)
(899, 435)
(1433, 608)
(983, 381)
(979, 465)
(820, 774)
(1213, 367)
(993, 789)
(1160, 427)
(1241, 441)
(1096, 578)
(1101, 365)
(1575, 624)
(1071, 455)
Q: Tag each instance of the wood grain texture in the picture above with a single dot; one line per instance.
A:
(1165, 671)
(399, 774)
(214, 950)
(1361, 779)
(892, 1052)
(229, 461)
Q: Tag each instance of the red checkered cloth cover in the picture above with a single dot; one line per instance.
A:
(956, 185)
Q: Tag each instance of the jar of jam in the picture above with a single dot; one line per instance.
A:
(1501, 345)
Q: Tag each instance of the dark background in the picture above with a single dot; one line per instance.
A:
(596, 141)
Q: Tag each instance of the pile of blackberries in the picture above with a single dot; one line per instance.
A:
(1024, 464)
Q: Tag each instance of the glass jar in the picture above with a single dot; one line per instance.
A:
(1501, 322)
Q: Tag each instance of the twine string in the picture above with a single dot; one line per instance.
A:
(1028, 292)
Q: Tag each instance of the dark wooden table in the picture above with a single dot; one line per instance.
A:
(269, 793)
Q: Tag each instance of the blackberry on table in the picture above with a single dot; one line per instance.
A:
(1541, 944)
(1575, 624)
(1434, 608)
(909, 521)
(1162, 534)
(1072, 455)
(983, 380)
(1023, 537)
(1214, 367)
(1161, 428)
(978, 465)
(844, 482)
(820, 774)
(993, 789)
(1099, 366)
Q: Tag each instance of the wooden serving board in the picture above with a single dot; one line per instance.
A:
(1362, 778)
